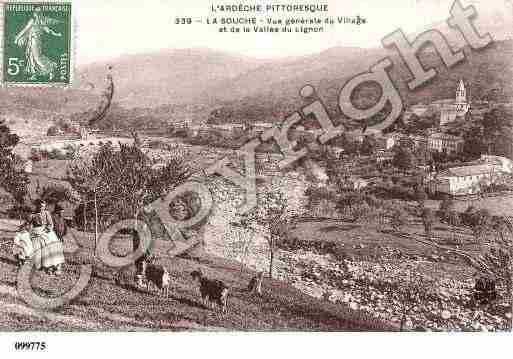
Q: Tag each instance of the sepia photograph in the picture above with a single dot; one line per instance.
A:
(284, 169)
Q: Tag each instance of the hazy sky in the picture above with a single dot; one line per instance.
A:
(110, 28)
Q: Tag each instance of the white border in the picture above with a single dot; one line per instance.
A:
(255, 345)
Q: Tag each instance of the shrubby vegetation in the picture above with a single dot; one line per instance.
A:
(116, 184)
(12, 178)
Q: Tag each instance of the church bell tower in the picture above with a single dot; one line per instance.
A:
(461, 103)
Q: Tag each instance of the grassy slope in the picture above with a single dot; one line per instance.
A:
(368, 234)
(106, 305)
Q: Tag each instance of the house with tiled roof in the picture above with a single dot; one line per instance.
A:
(471, 178)
(443, 142)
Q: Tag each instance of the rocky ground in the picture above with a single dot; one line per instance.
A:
(424, 291)
(382, 288)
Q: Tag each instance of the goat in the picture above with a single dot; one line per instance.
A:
(212, 290)
(255, 285)
(157, 276)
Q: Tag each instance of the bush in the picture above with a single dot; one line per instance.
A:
(6, 200)
(54, 194)
(316, 195)
(155, 144)
(446, 207)
(185, 207)
(479, 220)
(19, 211)
(52, 131)
(398, 219)
(421, 196)
(55, 154)
(35, 155)
(358, 205)
(397, 191)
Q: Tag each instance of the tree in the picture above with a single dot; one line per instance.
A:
(119, 183)
(446, 206)
(348, 203)
(368, 146)
(276, 220)
(398, 218)
(12, 179)
(423, 155)
(474, 145)
(500, 261)
(382, 216)
(64, 125)
(454, 220)
(52, 131)
(54, 194)
(421, 196)
(404, 159)
(428, 220)
(317, 197)
(479, 221)
(497, 134)
(350, 146)
(496, 119)
(271, 215)
(89, 182)
(243, 233)
(466, 217)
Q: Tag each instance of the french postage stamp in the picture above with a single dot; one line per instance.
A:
(37, 46)
(255, 166)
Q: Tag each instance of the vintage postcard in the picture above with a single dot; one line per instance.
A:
(275, 166)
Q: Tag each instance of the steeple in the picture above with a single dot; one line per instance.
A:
(461, 103)
(461, 93)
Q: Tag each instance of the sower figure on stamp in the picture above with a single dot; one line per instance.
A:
(37, 63)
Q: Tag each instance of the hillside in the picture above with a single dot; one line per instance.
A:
(167, 77)
(190, 84)
(45, 101)
(157, 85)
(282, 78)
(110, 305)
(488, 71)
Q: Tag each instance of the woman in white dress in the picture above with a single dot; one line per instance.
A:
(47, 250)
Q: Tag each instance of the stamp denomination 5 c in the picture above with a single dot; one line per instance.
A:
(37, 43)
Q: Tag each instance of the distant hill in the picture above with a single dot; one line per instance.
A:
(285, 77)
(43, 102)
(206, 85)
(168, 77)
(167, 83)
(488, 73)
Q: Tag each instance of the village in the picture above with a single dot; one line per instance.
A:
(362, 153)
(365, 213)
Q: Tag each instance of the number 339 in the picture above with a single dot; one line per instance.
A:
(183, 20)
